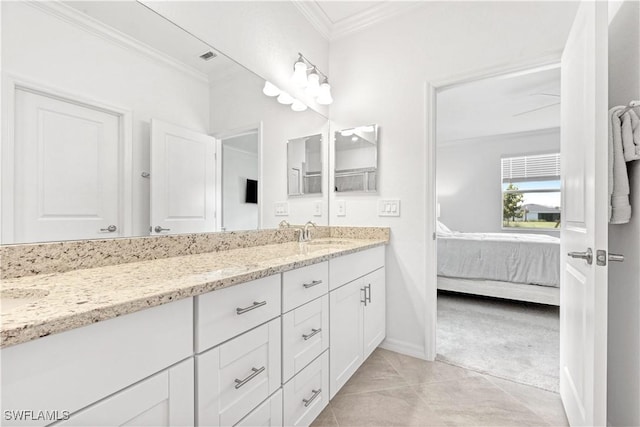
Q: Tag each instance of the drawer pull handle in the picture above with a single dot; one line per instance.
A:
(255, 372)
(313, 332)
(253, 306)
(313, 283)
(315, 394)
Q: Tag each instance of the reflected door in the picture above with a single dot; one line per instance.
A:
(67, 183)
(183, 187)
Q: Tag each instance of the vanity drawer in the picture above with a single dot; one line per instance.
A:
(305, 334)
(223, 314)
(307, 394)
(347, 268)
(268, 414)
(235, 377)
(304, 284)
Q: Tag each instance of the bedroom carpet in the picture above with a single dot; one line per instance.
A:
(513, 340)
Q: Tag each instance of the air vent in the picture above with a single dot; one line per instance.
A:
(208, 55)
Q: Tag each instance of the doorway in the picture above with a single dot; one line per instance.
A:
(497, 151)
(239, 161)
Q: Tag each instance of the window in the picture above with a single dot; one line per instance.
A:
(531, 191)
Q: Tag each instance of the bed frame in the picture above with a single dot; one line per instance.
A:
(508, 290)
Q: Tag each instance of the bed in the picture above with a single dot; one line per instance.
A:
(524, 267)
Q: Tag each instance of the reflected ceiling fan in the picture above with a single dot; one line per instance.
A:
(539, 108)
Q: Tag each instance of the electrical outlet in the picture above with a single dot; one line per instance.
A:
(317, 208)
(341, 206)
(389, 207)
(281, 208)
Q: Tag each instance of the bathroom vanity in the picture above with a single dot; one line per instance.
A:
(261, 335)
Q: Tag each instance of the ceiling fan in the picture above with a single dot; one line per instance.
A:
(539, 108)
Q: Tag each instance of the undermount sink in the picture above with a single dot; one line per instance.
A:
(13, 297)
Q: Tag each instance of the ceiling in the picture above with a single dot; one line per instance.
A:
(513, 103)
(334, 19)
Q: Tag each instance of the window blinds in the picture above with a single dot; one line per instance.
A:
(540, 167)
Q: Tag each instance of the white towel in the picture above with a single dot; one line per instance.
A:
(631, 135)
(619, 207)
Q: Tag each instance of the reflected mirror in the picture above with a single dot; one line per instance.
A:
(123, 124)
(304, 165)
(356, 159)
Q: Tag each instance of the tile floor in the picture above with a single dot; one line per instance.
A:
(393, 389)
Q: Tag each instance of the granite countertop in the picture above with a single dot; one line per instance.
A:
(41, 305)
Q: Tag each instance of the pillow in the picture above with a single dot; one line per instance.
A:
(442, 229)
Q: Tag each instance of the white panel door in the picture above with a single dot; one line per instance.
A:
(583, 289)
(183, 180)
(68, 172)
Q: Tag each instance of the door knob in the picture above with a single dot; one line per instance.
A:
(109, 229)
(587, 256)
(159, 229)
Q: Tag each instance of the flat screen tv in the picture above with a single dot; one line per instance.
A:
(252, 191)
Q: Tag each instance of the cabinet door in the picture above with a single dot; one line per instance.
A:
(165, 399)
(345, 329)
(374, 311)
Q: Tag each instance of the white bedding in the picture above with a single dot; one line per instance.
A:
(508, 257)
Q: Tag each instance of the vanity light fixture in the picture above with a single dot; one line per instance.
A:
(270, 89)
(322, 92)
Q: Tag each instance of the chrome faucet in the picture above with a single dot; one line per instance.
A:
(306, 233)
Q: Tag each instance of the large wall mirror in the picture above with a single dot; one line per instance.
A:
(117, 123)
(304, 166)
(356, 159)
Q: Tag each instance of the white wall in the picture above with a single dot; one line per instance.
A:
(469, 174)
(238, 166)
(378, 76)
(624, 278)
(39, 47)
(238, 102)
(263, 36)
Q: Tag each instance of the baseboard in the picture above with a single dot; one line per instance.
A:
(403, 347)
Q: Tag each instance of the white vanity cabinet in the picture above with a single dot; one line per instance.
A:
(75, 370)
(164, 399)
(357, 306)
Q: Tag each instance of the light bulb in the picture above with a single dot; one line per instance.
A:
(324, 95)
(299, 77)
(285, 98)
(270, 89)
(313, 86)
(298, 106)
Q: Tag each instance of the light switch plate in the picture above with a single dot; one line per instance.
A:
(341, 206)
(389, 207)
(317, 208)
(281, 208)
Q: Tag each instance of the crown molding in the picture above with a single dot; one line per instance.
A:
(372, 16)
(316, 16)
(93, 26)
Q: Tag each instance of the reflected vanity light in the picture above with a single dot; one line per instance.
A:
(298, 105)
(270, 89)
(285, 98)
